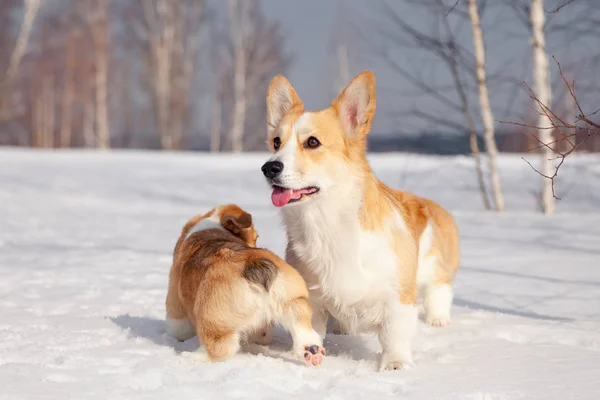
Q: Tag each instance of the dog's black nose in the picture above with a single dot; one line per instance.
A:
(272, 168)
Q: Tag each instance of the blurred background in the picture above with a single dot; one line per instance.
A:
(192, 74)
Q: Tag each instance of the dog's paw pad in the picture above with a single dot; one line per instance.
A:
(313, 355)
(393, 366)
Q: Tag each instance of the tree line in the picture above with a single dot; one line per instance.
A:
(192, 74)
(137, 73)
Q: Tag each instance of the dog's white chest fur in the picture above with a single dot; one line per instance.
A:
(353, 272)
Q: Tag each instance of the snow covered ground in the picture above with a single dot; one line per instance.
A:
(85, 248)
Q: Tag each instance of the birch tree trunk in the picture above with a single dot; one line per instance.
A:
(238, 15)
(172, 30)
(66, 118)
(342, 59)
(49, 112)
(464, 103)
(217, 117)
(185, 51)
(89, 139)
(541, 79)
(99, 29)
(43, 112)
(476, 154)
(343, 64)
(452, 60)
(484, 102)
(31, 11)
(161, 41)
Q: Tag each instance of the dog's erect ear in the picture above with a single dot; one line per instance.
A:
(356, 104)
(281, 98)
(236, 225)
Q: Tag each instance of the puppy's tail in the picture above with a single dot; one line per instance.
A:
(260, 271)
(186, 228)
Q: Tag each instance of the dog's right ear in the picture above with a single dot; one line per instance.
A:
(281, 98)
(355, 105)
(237, 224)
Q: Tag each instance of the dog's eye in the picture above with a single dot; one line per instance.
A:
(312, 142)
(276, 143)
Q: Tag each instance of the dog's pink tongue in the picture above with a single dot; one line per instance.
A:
(280, 196)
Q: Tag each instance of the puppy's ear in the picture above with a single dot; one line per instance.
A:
(237, 224)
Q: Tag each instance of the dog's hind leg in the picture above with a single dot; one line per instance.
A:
(437, 299)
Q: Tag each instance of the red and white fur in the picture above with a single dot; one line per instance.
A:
(363, 248)
(225, 290)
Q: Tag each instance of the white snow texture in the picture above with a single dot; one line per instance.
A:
(86, 240)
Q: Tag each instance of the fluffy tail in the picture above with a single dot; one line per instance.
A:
(260, 271)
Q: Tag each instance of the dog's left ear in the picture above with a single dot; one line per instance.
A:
(356, 104)
(237, 224)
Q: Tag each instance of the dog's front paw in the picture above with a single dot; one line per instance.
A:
(439, 322)
(313, 355)
(393, 363)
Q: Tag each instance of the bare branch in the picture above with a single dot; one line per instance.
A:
(439, 41)
(452, 8)
(557, 9)
(558, 125)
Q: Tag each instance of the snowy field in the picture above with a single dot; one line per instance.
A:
(85, 249)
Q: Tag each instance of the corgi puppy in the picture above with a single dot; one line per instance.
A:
(225, 290)
(363, 248)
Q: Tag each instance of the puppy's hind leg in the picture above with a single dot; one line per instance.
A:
(221, 346)
(178, 324)
(307, 343)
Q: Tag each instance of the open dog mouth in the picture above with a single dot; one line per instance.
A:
(282, 196)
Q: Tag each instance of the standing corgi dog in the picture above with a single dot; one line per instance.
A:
(225, 290)
(363, 248)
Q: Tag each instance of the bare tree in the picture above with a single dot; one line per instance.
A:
(65, 54)
(98, 23)
(31, 8)
(217, 118)
(217, 98)
(169, 32)
(340, 53)
(439, 42)
(45, 114)
(484, 103)
(31, 11)
(66, 119)
(541, 78)
(238, 13)
(265, 57)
